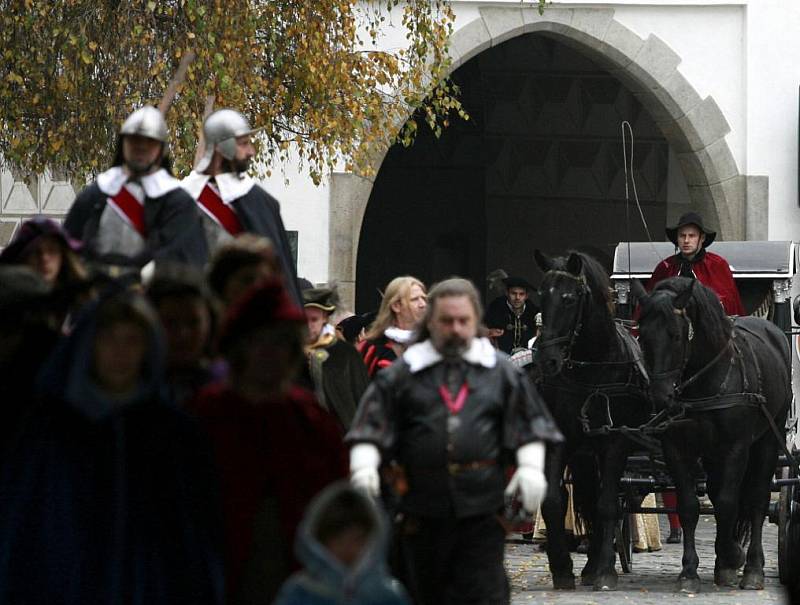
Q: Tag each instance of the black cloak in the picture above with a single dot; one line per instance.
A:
(108, 503)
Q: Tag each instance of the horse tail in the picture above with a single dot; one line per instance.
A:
(584, 472)
(743, 526)
(744, 518)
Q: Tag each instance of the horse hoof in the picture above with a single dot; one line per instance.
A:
(752, 581)
(689, 585)
(564, 582)
(605, 583)
(726, 577)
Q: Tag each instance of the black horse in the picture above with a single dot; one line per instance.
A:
(729, 381)
(594, 384)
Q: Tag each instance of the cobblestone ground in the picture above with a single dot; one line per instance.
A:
(652, 580)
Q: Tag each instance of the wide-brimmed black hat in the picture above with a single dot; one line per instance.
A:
(321, 298)
(691, 218)
(514, 281)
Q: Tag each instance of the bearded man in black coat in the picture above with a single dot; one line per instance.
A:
(230, 201)
(453, 412)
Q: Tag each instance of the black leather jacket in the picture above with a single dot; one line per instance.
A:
(452, 470)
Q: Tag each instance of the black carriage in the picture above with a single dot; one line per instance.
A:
(763, 271)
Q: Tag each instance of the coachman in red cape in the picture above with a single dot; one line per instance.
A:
(694, 260)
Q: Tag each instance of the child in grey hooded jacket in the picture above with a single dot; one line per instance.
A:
(342, 543)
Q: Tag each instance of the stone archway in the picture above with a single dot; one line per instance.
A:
(694, 127)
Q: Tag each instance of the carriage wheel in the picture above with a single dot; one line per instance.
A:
(788, 529)
(623, 542)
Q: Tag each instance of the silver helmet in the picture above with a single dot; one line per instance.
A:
(220, 131)
(146, 121)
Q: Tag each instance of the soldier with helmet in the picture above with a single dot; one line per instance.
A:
(136, 211)
(231, 202)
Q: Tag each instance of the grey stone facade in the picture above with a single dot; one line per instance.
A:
(24, 195)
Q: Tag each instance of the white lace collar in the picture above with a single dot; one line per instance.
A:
(423, 355)
(155, 185)
(231, 186)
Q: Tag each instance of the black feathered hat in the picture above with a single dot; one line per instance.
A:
(691, 218)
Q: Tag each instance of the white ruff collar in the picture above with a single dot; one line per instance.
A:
(399, 336)
(423, 355)
(231, 186)
(155, 185)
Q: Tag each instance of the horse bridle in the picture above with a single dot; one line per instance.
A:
(575, 331)
(678, 371)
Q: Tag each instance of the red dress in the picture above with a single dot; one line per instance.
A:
(283, 450)
(712, 271)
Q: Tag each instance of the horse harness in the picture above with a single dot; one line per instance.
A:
(737, 347)
(722, 400)
(573, 334)
(599, 394)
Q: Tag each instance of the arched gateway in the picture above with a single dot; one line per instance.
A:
(618, 73)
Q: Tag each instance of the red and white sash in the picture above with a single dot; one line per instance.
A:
(221, 213)
(129, 208)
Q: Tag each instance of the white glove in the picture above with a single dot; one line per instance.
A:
(529, 479)
(147, 272)
(364, 461)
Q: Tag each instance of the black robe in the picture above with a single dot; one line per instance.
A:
(517, 331)
(173, 227)
(344, 379)
(108, 503)
(260, 213)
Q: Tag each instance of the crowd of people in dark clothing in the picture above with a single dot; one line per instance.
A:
(184, 421)
(157, 439)
(162, 438)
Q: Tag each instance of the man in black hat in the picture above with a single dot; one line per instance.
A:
(336, 371)
(693, 260)
(511, 319)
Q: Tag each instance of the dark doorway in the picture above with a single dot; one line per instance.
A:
(539, 164)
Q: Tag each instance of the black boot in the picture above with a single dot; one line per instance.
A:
(675, 536)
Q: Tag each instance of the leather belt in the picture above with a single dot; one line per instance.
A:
(457, 467)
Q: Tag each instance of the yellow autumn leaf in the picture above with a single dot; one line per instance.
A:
(297, 74)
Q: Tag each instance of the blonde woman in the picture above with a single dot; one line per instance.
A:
(404, 302)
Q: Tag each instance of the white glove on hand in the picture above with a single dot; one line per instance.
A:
(529, 479)
(364, 462)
